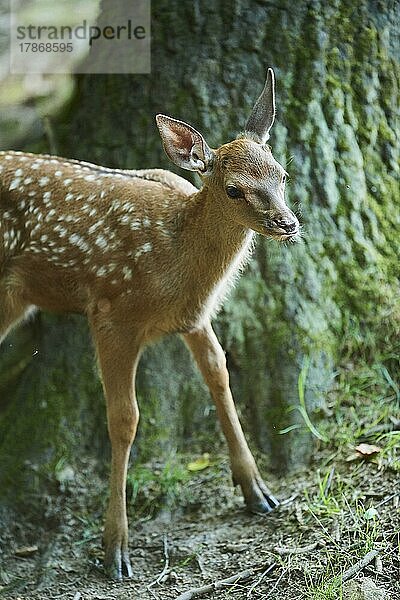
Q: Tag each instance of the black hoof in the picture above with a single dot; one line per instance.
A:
(262, 506)
(260, 500)
(117, 565)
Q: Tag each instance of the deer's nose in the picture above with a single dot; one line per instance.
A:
(288, 225)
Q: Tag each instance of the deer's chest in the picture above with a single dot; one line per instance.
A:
(209, 291)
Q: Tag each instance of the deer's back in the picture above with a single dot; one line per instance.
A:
(74, 234)
(71, 231)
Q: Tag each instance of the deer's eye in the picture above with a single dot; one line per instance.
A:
(234, 192)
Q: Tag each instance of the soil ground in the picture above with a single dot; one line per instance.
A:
(197, 532)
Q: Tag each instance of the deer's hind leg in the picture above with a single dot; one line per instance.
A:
(13, 309)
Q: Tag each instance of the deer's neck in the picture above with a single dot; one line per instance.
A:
(212, 233)
(219, 248)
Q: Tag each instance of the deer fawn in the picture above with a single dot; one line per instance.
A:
(143, 254)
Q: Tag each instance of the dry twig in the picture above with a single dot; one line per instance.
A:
(388, 499)
(352, 572)
(289, 500)
(221, 584)
(165, 570)
(277, 582)
(259, 580)
(298, 550)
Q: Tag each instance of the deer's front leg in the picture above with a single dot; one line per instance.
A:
(118, 355)
(210, 358)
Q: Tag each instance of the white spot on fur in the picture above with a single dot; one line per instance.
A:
(95, 226)
(147, 247)
(127, 273)
(61, 230)
(135, 224)
(161, 225)
(82, 245)
(101, 242)
(74, 239)
(77, 240)
(15, 183)
(50, 214)
(127, 206)
(43, 181)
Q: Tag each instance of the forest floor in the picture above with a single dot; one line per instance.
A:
(335, 535)
(189, 529)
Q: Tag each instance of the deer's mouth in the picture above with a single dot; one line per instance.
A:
(281, 237)
(281, 230)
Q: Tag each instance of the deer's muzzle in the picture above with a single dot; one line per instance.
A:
(285, 226)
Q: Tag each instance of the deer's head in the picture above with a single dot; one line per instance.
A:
(242, 175)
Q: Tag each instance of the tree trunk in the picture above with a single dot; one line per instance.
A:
(337, 74)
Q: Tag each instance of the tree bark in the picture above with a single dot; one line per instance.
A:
(337, 71)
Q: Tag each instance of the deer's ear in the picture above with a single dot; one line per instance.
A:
(263, 114)
(185, 146)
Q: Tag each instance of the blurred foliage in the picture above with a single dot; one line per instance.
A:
(27, 102)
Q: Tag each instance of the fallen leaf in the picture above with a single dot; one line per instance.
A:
(200, 463)
(367, 449)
